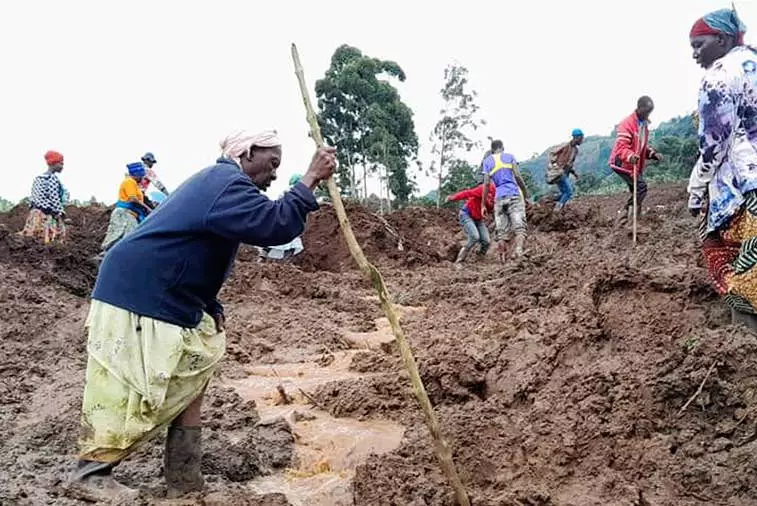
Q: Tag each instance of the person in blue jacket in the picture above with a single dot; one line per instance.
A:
(155, 325)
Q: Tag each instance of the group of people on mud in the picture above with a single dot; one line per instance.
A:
(47, 216)
(722, 186)
(156, 329)
(503, 192)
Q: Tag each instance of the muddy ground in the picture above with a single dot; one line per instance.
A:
(559, 380)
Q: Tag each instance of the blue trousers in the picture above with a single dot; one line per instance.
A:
(476, 232)
(566, 189)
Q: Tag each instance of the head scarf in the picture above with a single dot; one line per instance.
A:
(136, 169)
(577, 132)
(723, 21)
(295, 179)
(53, 158)
(240, 142)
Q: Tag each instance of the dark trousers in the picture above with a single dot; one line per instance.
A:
(641, 188)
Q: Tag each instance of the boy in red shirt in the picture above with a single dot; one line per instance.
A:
(473, 223)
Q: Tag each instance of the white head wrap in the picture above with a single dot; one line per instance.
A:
(239, 143)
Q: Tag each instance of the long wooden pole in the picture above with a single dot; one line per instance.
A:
(441, 448)
(635, 205)
(636, 168)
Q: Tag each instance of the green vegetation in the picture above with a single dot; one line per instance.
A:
(5, 205)
(362, 115)
(451, 135)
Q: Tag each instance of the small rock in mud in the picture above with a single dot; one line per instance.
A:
(299, 416)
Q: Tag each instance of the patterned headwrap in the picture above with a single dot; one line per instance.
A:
(240, 142)
(53, 158)
(295, 179)
(723, 21)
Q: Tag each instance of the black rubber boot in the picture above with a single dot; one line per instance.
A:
(182, 461)
(93, 481)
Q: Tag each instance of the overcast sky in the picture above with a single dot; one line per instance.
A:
(103, 82)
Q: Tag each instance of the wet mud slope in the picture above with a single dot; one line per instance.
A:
(588, 373)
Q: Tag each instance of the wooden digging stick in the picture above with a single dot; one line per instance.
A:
(441, 448)
(635, 205)
(636, 168)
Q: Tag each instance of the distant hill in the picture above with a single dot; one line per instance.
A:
(675, 139)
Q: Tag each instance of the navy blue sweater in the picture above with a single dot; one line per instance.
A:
(173, 265)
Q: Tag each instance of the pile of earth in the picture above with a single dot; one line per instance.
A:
(589, 373)
(410, 237)
(70, 265)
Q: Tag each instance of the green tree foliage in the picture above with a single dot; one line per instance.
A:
(534, 189)
(682, 126)
(5, 205)
(460, 175)
(588, 182)
(452, 133)
(361, 114)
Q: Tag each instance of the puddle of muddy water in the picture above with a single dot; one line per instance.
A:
(383, 333)
(327, 449)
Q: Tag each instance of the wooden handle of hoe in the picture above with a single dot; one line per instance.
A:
(441, 448)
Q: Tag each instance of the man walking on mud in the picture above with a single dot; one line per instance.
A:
(501, 169)
(155, 327)
(631, 152)
(561, 160)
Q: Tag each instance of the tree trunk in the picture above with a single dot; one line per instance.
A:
(388, 192)
(353, 182)
(388, 186)
(365, 181)
(381, 193)
(441, 173)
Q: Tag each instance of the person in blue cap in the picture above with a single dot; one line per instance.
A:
(561, 160)
(130, 208)
(290, 249)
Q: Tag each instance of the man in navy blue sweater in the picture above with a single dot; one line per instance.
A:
(156, 327)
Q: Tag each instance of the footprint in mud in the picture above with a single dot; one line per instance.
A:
(327, 449)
